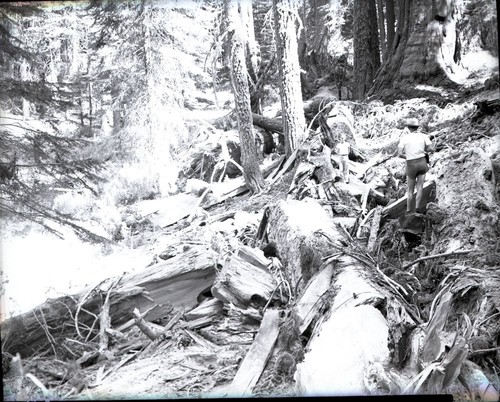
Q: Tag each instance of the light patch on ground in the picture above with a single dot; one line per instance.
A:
(40, 266)
(481, 61)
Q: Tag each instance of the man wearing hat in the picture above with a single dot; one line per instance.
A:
(413, 146)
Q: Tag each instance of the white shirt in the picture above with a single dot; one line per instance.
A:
(343, 148)
(414, 144)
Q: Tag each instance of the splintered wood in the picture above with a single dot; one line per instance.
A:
(244, 283)
(309, 304)
(175, 283)
(251, 368)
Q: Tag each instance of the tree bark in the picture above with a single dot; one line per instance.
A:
(391, 24)
(465, 203)
(424, 47)
(381, 28)
(366, 47)
(249, 154)
(299, 248)
(252, 52)
(175, 283)
(285, 17)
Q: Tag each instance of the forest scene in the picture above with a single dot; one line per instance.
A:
(240, 198)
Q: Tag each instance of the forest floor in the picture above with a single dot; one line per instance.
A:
(201, 363)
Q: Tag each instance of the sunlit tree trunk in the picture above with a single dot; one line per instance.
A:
(424, 49)
(366, 47)
(249, 155)
(252, 52)
(381, 28)
(285, 18)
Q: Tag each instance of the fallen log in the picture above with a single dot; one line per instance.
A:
(237, 186)
(244, 284)
(466, 190)
(398, 207)
(175, 283)
(274, 125)
(294, 227)
(341, 355)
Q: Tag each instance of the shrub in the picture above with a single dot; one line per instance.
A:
(75, 204)
(131, 183)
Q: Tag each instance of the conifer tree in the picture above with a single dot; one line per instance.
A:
(285, 24)
(249, 155)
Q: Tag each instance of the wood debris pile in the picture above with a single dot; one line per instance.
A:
(264, 303)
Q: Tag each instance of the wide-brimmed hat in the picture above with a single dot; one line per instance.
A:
(412, 122)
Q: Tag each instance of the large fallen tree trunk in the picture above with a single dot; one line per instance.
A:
(273, 124)
(343, 358)
(172, 284)
(311, 108)
(342, 354)
(465, 194)
(299, 243)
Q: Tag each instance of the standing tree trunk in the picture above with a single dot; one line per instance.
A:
(381, 28)
(285, 17)
(424, 46)
(249, 156)
(253, 58)
(366, 47)
(391, 24)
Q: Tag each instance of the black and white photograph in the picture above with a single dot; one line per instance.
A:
(221, 199)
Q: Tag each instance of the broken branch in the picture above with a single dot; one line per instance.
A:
(430, 257)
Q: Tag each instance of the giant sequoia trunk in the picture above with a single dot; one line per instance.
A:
(366, 47)
(424, 46)
(285, 16)
(391, 24)
(249, 155)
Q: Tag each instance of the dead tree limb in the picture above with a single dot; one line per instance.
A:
(374, 229)
(144, 326)
(430, 257)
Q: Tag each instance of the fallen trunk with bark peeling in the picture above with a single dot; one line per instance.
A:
(244, 281)
(311, 250)
(172, 284)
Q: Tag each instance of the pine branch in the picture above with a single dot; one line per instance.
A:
(47, 213)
